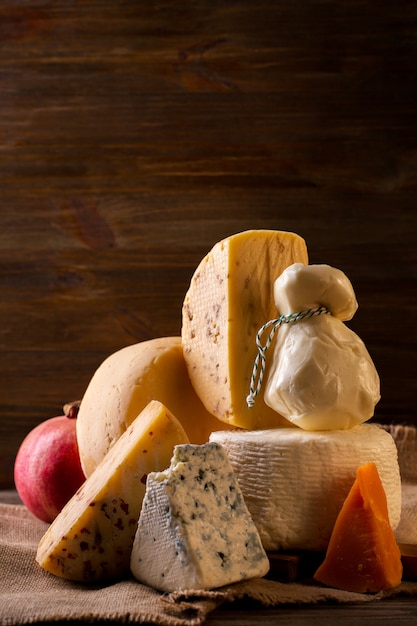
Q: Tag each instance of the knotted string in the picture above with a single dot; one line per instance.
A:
(260, 359)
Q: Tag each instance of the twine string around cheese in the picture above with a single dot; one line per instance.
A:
(260, 359)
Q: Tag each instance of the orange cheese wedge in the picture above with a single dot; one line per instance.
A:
(362, 554)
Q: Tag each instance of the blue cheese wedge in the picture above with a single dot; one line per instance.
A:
(194, 530)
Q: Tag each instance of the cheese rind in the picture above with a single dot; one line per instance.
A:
(229, 299)
(92, 537)
(294, 482)
(124, 384)
(195, 531)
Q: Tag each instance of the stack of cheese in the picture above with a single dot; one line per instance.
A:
(294, 453)
(320, 379)
(136, 395)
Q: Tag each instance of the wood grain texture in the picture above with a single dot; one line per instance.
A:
(401, 610)
(134, 136)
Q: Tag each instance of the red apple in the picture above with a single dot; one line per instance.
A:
(47, 470)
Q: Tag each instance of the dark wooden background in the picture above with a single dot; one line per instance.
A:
(134, 135)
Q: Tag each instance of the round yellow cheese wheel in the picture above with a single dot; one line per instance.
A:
(125, 383)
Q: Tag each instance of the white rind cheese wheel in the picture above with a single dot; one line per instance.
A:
(405, 437)
(229, 299)
(125, 383)
(294, 482)
(194, 530)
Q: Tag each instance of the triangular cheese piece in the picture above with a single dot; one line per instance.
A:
(195, 530)
(91, 539)
(362, 554)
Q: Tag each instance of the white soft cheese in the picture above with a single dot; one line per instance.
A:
(195, 531)
(304, 286)
(294, 482)
(322, 376)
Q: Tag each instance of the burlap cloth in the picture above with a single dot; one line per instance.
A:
(28, 594)
(405, 438)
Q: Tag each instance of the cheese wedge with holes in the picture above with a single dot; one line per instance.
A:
(294, 482)
(124, 384)
(195, 531)
(91, 539)
(229, 298)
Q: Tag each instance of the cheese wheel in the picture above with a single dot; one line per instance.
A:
(125, 383)
(295, 482)
(405, 437)
(229, 299)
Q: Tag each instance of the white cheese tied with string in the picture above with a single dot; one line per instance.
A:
(321, 376)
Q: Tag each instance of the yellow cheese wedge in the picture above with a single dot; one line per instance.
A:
(91, 539)
(230, 297)
(124, 384)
